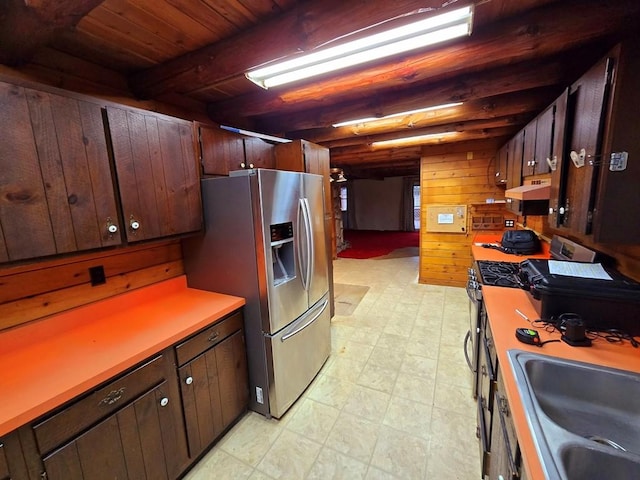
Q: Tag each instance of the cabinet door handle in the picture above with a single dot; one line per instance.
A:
(213, 336)
(188, 380)
(164, 401)
(112, 397)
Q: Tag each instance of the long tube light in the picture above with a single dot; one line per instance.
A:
(393, 115)
(412, 140)
(428, 31)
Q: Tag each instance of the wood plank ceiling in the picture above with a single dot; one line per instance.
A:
(519, 57)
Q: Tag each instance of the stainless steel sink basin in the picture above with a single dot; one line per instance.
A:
(585, 418)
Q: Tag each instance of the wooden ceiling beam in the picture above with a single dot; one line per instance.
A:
(305, 27)
(540, 33)
(26, 26)
(512, 121)
(521, 106)
(465, 88)
(367, 154)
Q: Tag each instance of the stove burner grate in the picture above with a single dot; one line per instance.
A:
(500, 274)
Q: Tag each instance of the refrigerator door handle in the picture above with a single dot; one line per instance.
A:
(311, 266)
(305, 256)
(313, 319)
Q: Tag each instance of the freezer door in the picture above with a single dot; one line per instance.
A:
(319, 272)
(297, 353)
(279, 198)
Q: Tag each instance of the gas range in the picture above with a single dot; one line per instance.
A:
(500, 274)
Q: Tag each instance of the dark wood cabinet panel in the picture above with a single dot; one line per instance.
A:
(258, 153)
(545, 124)
(138, 442)
(220, 151)
(141, 436)
(12, 462)
(559, 164)
(516, 147)
(214, 385)
(156, 167)
(529, 149)
(502, 160)
(58, 193)
(618, 191)
(587, 110)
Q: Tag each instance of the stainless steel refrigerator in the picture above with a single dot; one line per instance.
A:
(264, 240)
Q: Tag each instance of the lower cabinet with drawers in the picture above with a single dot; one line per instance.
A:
(151, 422)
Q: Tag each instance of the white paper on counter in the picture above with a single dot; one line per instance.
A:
(580, 270)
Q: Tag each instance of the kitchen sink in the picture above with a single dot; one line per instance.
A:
(585, 418)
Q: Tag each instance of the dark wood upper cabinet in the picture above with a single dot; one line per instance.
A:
(543, 157)
(502, 161)
(258, 153)
(157, 175)
(587, 112)
(529, 149)
(56, 193)
(618, 190)
(220, 151)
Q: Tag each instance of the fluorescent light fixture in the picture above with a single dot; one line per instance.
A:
(428, 31)
(393, 115)
(412, 140)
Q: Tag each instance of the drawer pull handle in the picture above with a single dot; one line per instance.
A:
(213, 336)
(188, 380)
(164, 401)
(113, 396)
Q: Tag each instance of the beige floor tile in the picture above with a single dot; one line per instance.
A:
(354, 436)
(366, 335)
(452, 368)
(354, 351)
(455, 398)
(409, 416)
(392, 341)
(251, 438)
(378, 378)
(368, 403)
(418, 389)
(453, 430)
(345, 368)
(331, 391)
(419, 366)
(400, 454)
(219, 464)
(258, 475)
(387, 358)
(331, 465)
(313, 420)
(440, 465)
(376, 474)
(291, 456)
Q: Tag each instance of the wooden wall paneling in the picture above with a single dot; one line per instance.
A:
(30, 292)
(452, 178)
(22, 192)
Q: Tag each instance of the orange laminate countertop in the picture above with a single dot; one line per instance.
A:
(482, 253)
(50, 361)
(501, 304)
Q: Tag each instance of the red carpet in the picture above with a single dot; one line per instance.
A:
(375, 243)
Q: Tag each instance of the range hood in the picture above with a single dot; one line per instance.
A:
(529, 192)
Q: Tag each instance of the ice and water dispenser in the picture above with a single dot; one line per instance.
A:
(282, 253)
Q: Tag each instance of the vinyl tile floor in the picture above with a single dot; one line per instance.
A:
(393, 401)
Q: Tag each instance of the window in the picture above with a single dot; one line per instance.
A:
(416, 207)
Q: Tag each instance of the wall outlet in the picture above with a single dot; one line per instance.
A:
(259, 396)
(509, 223)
